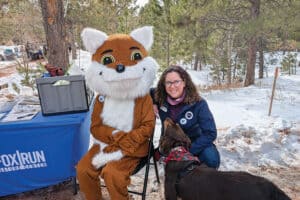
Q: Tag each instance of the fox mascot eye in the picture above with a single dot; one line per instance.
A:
(107, 59)
(136, 55)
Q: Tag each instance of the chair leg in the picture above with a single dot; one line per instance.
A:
(145, 183)
(74, 186)
(156, 170)
(146, 176)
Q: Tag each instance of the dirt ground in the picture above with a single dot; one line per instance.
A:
(6, 71)
(286, 179)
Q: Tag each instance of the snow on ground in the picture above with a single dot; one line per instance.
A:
(247, 137)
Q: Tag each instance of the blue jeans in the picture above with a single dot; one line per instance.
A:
(210, 156)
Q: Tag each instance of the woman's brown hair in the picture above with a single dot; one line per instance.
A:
(191, 96)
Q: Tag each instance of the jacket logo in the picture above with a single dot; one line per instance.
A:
(183, 121)
(101, 98)
(163, 108)
(189, 115)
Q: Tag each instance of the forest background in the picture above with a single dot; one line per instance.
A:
(229, 36)
(232, 39)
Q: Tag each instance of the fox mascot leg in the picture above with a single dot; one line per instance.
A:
(122, 120)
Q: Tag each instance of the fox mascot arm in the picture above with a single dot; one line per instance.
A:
(121, 73)
(99, 130)
(115, 139)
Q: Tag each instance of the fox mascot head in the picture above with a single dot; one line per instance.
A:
(121, 67)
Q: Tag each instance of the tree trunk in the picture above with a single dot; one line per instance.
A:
(73, 45)
(74, 51)
(168, 49)
(235, 66)
(54, 25)
(196, 61)
(261, 59)
(71, 42)
(250, 73)
(229, 49)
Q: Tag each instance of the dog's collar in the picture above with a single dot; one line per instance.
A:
(189, 168)
(180, 154)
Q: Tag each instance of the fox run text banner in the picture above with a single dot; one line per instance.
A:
(41, 152)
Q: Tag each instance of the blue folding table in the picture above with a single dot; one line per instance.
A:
(41, 152)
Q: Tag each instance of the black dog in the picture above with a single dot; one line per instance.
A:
(190, 181)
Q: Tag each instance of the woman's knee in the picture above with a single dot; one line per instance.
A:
(213, 163)
(211, 157)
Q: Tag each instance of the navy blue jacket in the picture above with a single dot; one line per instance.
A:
(197, 122)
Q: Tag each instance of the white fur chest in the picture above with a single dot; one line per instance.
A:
(118, 113)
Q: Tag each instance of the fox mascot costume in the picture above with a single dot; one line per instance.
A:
(122, 120)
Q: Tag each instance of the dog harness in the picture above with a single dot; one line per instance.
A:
(181, 154)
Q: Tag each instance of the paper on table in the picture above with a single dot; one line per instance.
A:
(19, 116)
(2, 115)
(25, 109)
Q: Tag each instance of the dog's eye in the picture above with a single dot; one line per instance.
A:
(136, 55)
(107, 59)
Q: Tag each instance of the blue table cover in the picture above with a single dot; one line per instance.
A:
(41, 152)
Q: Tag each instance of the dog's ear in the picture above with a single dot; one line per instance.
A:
(182, 137)
(188, 143)
(168, 122)
(173, 136)
(169, 138)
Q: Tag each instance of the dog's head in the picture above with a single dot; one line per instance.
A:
(172, 137)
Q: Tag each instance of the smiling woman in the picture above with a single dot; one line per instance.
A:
(174, 85)
(177, 98)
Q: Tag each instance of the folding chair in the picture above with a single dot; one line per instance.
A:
(145, 161)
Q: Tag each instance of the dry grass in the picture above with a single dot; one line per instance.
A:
(220, 87)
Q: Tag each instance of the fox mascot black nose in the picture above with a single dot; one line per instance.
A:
(120, 68)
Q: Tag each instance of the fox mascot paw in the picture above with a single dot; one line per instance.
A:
(102, 158)
(121, 73)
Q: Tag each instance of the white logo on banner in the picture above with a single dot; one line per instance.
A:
(22, 160)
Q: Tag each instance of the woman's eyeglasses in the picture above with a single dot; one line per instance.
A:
(175, 83)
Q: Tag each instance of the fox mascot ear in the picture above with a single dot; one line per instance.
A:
(144, 36)
(93, 39)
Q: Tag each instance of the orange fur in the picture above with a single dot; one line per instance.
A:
(120, 45)
(123, 120)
